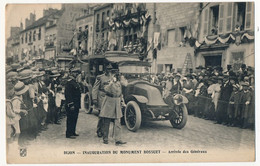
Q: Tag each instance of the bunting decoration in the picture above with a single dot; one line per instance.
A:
(123, 16)
(236, 38)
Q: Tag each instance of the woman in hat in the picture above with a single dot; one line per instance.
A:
(18, 106)
(176, 87)
(28, 98)
(234, 106)
(246, 98)
(188, 91)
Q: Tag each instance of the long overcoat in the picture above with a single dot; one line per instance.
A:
(111, 106)
(98, 92)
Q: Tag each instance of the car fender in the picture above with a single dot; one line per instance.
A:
(140, 99)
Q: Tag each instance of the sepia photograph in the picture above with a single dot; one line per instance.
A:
(132, 82)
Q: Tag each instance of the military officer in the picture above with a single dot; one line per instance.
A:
(98, 93)
(72, 99)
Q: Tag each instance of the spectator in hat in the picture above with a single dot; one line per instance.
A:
(194, 79)
(176, 86)
(29, 122)
(59, 97)
(246, 98)
(225, 93)
(52, 111)
(216, 91)
(17, 102)
(234, 106)
(169, 84)
(209, 110)
(188, 91)
(200, 96)
(98, 93)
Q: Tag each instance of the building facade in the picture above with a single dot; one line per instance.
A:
(13, 45)
(84, 27)
(226, 35)
(100, 36)
(172, 33)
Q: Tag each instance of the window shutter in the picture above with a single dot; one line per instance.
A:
(229, 17)
(206, 18)
(221, 19)
(249, 15)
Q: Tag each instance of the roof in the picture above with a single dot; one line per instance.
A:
(84, 16)
(103, 6)
(43, 20)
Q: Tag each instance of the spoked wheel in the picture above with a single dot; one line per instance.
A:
(179, 120)
(87, 103)
(132, 116)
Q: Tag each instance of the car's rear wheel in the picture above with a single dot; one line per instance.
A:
(133, 116)
(87, 103)
(179, 120)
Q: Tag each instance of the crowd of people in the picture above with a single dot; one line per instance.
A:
(226, 97)
(35, 99)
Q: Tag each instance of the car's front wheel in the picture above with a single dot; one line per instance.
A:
(133, 116)
(179, 120)
(87, 103)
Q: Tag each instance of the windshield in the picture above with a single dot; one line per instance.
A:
(132, 69)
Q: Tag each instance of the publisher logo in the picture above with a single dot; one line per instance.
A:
(23, 152)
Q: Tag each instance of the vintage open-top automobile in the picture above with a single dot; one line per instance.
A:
(144, 101)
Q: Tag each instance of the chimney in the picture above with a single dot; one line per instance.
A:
(21, 26)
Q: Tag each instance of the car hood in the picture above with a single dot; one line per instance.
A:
(153, 94)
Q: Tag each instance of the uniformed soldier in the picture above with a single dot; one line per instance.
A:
(98, 93)
(72, 98)
(111, 109)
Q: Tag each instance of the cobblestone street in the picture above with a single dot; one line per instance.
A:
(198, 134)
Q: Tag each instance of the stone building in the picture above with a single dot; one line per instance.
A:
(172, 34)
(13, 45)
(84, 27)
(226, 35)
(32, 39)
(51, 36)
(100, 36)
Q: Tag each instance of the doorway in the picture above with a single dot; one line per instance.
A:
(213, 60)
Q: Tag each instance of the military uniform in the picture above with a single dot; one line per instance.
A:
(72, 98)
(98, 94)
(111, 109)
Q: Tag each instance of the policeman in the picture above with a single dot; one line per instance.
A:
(72, 99)
(98, 93)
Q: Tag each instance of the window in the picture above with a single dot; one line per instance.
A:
(229, 17)
(205, 26)
(221, 19)
(108, 13)
(214, 12)
(26, 37)
(182, 33)
(130, 36)
(249, 15)
(241, 15)
(168, 68)
(34, 35)
(97, 23)
(22, 39)
(39, 34)
(80, 29)
(237, 60)
(103, 20)
(30, 37)
(86, 27)
(171, 37)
